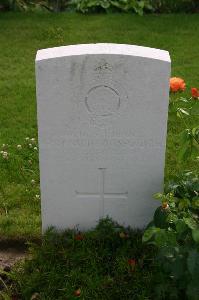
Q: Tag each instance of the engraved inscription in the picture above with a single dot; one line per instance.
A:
(103, 66)
(102, 101)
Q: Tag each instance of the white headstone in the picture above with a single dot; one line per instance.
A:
(102, 117)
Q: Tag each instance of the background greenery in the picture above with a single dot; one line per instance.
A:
(21, 35)
(84, 6)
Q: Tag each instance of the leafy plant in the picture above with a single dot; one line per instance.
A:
(137, 6)
(168, 6)
(15, 4)
(133, 5)
(175, 233)
(26, 5)
(185, 109)
(85, 6)
(55, 5)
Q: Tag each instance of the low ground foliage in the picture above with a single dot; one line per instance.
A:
(19, 189)
(108, 262)
(111, 262)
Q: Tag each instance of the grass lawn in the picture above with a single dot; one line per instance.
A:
(21, 35)
(106, 263)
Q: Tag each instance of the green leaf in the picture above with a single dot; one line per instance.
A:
(161, 290)
(181, 226)
(178, 114)
(191, 223)
(185, 136)
(5, 296)
(165, 238)
(178, 267)
(183, 204)
(195, 235)
(195, 109)
(195, 151)
(184, 111)
(105, 4)
(193, 262)
(168, 252)
(195, 131)
(161, 238)
(141, 3)
(193, 290)
(184, 153)
(172, 107)
(158, 196)
(172, 218)
(195, 203)
(149, 233)
(182, 99)
(149, 6)
(160, 217)
(150, 224)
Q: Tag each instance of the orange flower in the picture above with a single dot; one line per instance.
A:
(177, 84)
(165, 205)
(79, 237)
(195, 93)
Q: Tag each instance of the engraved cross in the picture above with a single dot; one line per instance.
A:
(101, 193)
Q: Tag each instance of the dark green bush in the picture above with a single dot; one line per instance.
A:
(175, 233)
(24, 5)
(90, 6)
(172, 6)
(13, 5)
(137, 6)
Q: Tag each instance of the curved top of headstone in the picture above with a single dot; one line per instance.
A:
(103, 48)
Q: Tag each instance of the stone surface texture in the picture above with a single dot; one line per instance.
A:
(102, 119)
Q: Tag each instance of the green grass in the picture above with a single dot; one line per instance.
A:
(109, 262)
(21, 35)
